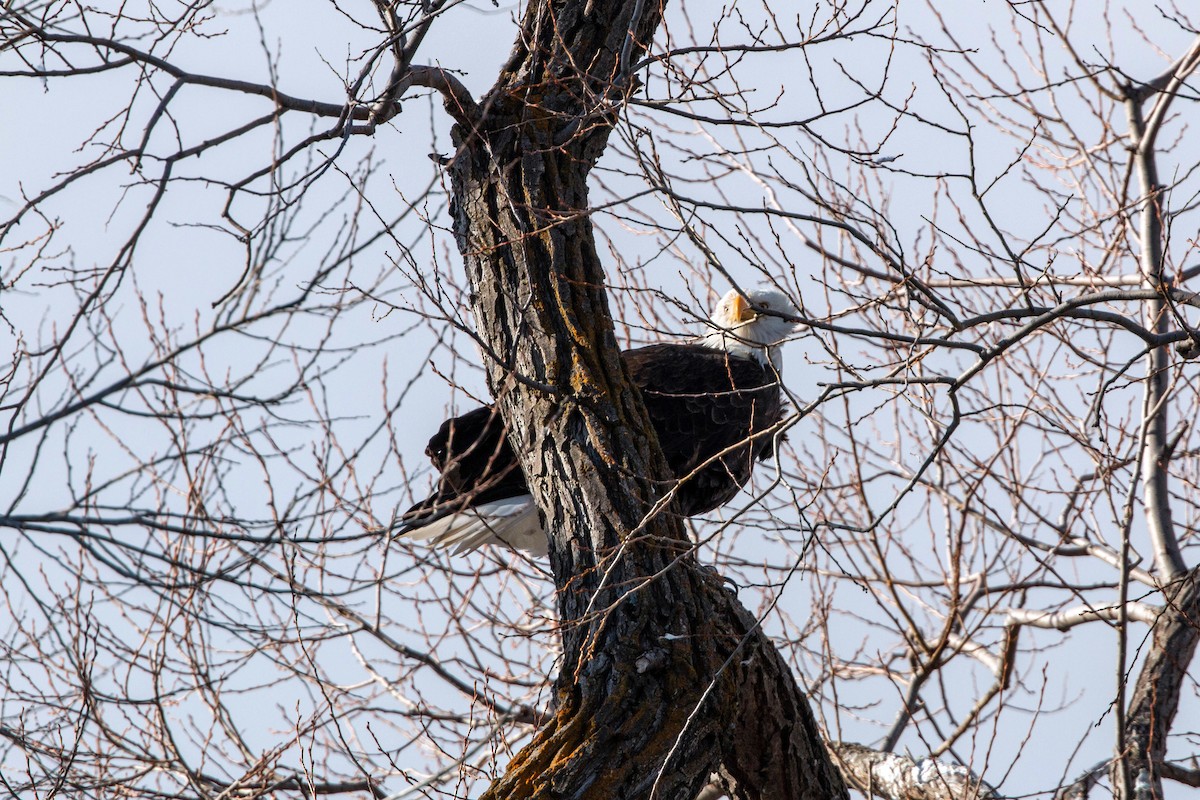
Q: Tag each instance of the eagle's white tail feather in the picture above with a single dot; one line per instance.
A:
(513, 521)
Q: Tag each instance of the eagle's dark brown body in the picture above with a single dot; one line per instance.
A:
(715, 415)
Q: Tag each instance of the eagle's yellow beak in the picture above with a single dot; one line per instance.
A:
(742, 310)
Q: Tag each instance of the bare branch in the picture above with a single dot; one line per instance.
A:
(456, 98)
(1069, 618)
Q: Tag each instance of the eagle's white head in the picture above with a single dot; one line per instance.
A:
(752, 325)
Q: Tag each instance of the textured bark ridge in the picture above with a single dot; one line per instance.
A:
(665, 677)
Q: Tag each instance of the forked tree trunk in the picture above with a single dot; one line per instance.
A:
(665, 677)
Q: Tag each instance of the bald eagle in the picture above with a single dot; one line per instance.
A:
(713, 402)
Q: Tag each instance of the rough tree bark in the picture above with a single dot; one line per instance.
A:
(1159, 686)
(665, 678)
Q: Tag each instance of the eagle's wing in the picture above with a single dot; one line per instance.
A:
(476, 463)
(713, 413)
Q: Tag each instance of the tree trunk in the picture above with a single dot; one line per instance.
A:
(1158, 689)
(665, 677)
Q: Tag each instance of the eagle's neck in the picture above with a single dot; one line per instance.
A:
(766, 356)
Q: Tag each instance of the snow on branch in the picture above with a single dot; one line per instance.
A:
(899, 777)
